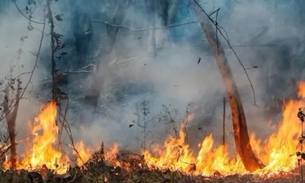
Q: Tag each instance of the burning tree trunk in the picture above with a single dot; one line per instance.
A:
(10, 117)
(241, 136)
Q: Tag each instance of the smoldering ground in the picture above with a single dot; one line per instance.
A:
(256, 30)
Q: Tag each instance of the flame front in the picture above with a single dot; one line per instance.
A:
(277, 152)
(41, 150)
(42, 153)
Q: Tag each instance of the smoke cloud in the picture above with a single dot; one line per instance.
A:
(170, 75)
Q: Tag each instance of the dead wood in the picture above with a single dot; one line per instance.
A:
(10, 117)
(241, 136)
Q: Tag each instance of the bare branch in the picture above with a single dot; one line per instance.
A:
(31, 76)
(17, 7)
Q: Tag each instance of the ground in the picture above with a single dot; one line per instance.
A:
(97, 170)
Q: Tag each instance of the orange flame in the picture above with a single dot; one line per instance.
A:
(42, 151)
(84, 153)
(277, 152)
(111, 155)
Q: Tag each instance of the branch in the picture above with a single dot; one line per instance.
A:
(31, 76)
(218, 28)
(143, 29)
(36, 22)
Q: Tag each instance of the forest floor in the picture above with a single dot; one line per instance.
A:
(96, 170)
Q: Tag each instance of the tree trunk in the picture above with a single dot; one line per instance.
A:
(10, 117)
(241, 136)
(98, 78)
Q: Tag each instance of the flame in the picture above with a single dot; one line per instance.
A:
(42, 152)
(277, 152)
(111, 155)
(83, 153)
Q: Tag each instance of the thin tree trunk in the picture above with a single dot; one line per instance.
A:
(10, 117)
(241, 136)
(53, 64)
(224, 123)
(99, 76)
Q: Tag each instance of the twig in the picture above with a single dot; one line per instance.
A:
(74, 149)
(67, 128)
(32, 72)
(229, 44)
(144, 29)
(62, 125)
(186, 120)
(36, 22)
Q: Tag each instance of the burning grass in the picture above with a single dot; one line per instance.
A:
(98, 170)
(173, 161)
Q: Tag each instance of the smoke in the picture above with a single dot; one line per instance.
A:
(160, 67)
(18, 49)
(173, 78)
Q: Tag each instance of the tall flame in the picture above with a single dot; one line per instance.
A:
(42, 152)
(277, 152)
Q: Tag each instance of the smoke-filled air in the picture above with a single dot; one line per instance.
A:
(152, 91)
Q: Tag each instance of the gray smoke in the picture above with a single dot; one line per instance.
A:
(160, 66)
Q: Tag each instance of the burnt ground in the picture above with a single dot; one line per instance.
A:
(117, 175)
(132, 170)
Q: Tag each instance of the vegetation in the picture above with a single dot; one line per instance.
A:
(93, 60)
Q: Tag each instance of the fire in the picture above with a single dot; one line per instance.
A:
(41, 150)
(277, 152)
(111, 155)
(83, 153)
